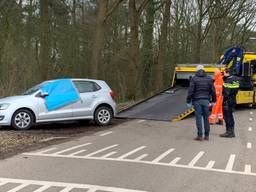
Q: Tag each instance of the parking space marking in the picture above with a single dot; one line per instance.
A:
(230, 163)
(249, 145)
(44, 185)
(131, 152)
(247, 169)
(107, 133)
(251, 113)
(196, 158)
(156, 161)
(18, 187)
(250, 119)
(48, 150)
(250, 129)
(77, 152)
(72, 148)
(141, 121)
(101, 150)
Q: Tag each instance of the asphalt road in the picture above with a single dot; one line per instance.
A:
(140, 155)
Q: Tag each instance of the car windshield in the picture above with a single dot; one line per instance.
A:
(34, 89)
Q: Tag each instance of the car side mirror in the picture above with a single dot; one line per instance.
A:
(43, 94)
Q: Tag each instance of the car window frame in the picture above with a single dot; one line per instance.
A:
(94, 85)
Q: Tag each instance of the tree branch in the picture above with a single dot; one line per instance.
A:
(113, 7)
(142, 6)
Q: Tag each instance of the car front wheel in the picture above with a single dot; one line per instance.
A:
(103, 115)
(22, 119)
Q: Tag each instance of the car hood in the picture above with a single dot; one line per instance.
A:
(13, 99)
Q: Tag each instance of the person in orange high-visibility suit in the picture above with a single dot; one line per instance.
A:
(217, 112)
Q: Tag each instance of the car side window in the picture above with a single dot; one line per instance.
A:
(86, 86)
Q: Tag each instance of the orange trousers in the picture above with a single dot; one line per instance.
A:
(217, 112)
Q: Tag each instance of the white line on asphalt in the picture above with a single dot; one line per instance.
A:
(66, 185)
(210, 165)
(47, 150)
(250, 119)
(156, 160)
(249, 145)
(43, 188)
(141, 157)
(141, 121)
(109, 154)
(230, 163)
(77, 152)
(67, 189)
(131, 152)
(174, 161)
(247, 169)
(251, 113)
(172, 164)
(2, 183)
(196, 158)
(101, 150)
(107, 133)
(250, 129)
(18, 188)
(71, 148)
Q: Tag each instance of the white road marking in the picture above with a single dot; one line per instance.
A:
(48, 150)
(2, 183)
(18, 188)
(174, 161)
(247, 169)
(67, 186)
(230, 163)
(75, 153)
(141, 157)
(67, 189)
(109, 154)
(101, 150)
(72, 148)
(43, 188)
(251, 113)
(250, 119)
(196, 158)
(107, 133)
(249, 145)
(141, 121)
(131, 152)
(250, 129)
(210, 165)
(156, 160)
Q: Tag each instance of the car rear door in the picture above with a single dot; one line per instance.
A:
(89, 93)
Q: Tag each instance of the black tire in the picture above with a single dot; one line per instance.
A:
(103, 116)
(22, 119)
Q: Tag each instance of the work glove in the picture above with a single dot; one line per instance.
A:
(213, 104)
(189, 105)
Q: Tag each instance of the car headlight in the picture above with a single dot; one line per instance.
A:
(4, 106)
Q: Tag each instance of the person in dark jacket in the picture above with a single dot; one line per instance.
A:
(230, 89)
(200, 93)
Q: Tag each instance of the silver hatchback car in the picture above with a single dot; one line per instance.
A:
(95, 102)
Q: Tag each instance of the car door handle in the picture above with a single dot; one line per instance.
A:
(94, 96)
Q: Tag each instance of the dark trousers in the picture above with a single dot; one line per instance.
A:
(229, 119)
(202, 111)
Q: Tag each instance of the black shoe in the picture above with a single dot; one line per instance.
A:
(227, 135)
(198, 138)
(206, 138)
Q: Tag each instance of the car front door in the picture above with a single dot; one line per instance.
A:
(88, 93)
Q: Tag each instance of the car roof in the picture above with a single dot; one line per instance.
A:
(77, 79)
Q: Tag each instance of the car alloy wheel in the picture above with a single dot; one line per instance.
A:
(22, 119)
(103, 116)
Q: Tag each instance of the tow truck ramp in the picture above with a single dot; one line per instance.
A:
(170, 105)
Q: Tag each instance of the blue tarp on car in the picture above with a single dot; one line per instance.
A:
(60, 93)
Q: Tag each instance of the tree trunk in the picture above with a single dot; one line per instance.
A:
(159, 81)
(133, 51)
(44, 39)
(147, 53)
(98, 42)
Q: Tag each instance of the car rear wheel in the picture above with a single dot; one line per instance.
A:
(22, 119)
(103, 115)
